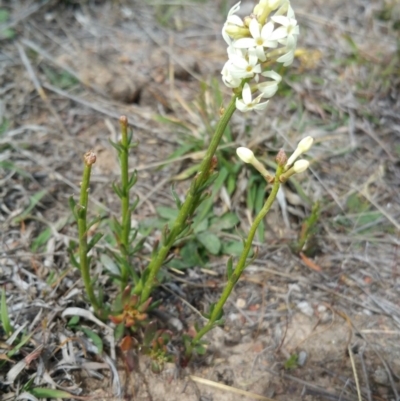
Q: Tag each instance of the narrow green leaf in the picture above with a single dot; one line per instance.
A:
(116, 226)
(109, 264)
(4, 314)
(116, 146)
(229, 267)
(132, 179)
(259, 203)
(188, 172)
(95, 239)
(134, 204)
(94, 221)
(251, 194)
(178, 202)
(49, 393)
(165, 234)
(33, 201)
(97, 341)
(73, 321)
(72, 206)
(119, 331)
(73, 260)
(231, 183)
(116, 188)
(210, 311)
(210, 181)
(133, 145)
(41, 239)
(138, 247)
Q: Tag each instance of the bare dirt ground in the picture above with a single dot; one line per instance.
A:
(325, 327)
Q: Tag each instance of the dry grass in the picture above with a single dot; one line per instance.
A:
(68, 74)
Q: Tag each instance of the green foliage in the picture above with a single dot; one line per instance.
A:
(5, 33)
(306, 241)
(361, 216)
(292, 363)
(4, 125)
(61, 79)
(5, 320)
(33, 201)
(49, 393)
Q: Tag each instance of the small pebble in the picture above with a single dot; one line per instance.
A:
(306, 308)
(381, 376)
(240, 303)
(302, 358)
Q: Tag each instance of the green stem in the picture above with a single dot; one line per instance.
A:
(187, 208)
(82, 230)
(125, 206)
(241, 265)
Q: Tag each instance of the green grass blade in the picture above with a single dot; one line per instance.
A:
(50, 393)
(5, 320)
(33, 201)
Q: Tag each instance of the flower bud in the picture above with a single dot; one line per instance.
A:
(303, 146)
(89, 158)
(247, 21)
(123, 120)
(237, 32)
(245, 155)
(300, 166)
(274, 4)
(281, 158)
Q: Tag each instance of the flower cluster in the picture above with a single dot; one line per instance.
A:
(268, 35)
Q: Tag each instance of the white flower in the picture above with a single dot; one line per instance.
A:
(269, 88)
(228, 79)
(303, 146)
(232, 20)
(288, 57)
(244, 67)
(288, 30)
(300, 166)
(232, 50)
(261, 38)
(245, 154)
(290, 12)
(246, 103)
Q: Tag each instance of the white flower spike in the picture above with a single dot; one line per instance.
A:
(255, 42)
